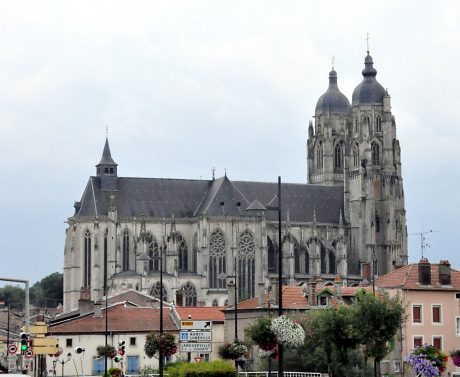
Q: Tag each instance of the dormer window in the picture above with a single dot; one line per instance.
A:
(323, 300)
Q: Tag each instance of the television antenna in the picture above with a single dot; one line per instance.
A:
(423, 243)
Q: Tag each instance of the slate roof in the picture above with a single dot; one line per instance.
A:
(407, 277)
(369, 91)
(121, 318)
(188, 198)
(333, 101)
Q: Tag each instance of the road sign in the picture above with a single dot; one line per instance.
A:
(12, 365)
(45, 346)
(12, 349)
(187, 336)
(195, 325)
(195, 347)
(29, 354)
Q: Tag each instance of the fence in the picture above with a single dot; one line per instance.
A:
(275, 374)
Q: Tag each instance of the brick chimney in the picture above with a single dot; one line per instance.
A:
(424, 272)
(444, 272)
(312, 300)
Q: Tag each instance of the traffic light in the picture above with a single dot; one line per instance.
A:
(79, 350)
(24, 341)
(121, 347)
(117, 358)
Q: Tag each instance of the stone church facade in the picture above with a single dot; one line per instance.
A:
(349, 217)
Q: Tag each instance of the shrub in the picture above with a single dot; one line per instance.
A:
(113, 372)
(232, 351)
(217, 368)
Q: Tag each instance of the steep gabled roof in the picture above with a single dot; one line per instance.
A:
(183, 198)
(201, 313)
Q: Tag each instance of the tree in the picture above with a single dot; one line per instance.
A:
(376, 320)
(48, 292)
(13, 295)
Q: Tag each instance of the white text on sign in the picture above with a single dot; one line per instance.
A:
(195, 347)
(186, 336)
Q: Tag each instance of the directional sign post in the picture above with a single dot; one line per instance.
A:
(195, 325)
(195, 336)
(195, 347)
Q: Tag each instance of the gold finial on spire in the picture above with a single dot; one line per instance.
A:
(367, 41)
(332, 61)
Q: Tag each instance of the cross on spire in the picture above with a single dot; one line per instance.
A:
(332, 61)
(367, 41)
(106, 130)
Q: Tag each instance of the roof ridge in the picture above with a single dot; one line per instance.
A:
(94, 198)
(219, 185)
(403, 284)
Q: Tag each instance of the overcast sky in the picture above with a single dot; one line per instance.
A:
(184, 86)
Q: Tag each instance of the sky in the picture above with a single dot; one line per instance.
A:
(185, 86)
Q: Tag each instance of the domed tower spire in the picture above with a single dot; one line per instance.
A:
(106, 169)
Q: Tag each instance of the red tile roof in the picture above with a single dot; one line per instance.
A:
(203, 313)
(407, 277)
(121, 318)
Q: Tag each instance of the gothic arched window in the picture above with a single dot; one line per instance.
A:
(154, 253)
(332, 264)
(378, 124)
(377, 223)
(367, 122)
(194, 253)
(319, 155)
(375, 150)
(356, 125)
(301, 259)
(246, 266)
(355, 156)
(186, 296)
(155, 291)
(183, 253)
(338, 155)
(217, 261)
(272, 256)
(87, 260)
(125, 265)
(323, 260)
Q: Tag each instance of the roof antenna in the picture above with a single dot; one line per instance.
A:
(423, 243)
(367, 41)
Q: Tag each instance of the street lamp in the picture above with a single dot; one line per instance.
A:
(145, 258)
(63, 361)
(257, 206)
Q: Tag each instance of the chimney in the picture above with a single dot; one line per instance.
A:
(338, 282)
(424, 272)
(98, 309)
(312, 301)
(444, 272)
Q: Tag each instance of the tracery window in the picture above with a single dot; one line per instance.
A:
(332, 262)
(125, 265)
(272, 256)
(155, 291)
(87, 260)
(246, 266)
(183, 253)
(377, 223)
(319, 155)
(367, 122)
(328, 261)
(194, 253)
(154, 253)
(301, 260)
(375, 150)
(378, 124)
(186, 296)
(217, 261)
(323, 260)
(356, 125)
(338, 155)
(355, 156)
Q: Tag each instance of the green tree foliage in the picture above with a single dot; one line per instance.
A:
(376, 322)
(48, 292)
(13, 295)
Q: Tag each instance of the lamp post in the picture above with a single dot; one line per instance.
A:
(257, 206)
(145, 258)
(62, 362)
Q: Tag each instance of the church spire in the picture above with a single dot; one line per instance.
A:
(106, 169)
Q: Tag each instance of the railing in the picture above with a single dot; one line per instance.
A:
(275, 374)
(251, 374)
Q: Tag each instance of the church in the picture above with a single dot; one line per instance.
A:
(346, 223)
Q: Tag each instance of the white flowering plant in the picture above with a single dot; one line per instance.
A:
(288, 332)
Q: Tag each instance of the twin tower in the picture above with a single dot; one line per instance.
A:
(356, 147)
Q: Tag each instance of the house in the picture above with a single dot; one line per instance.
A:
(431, 295)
